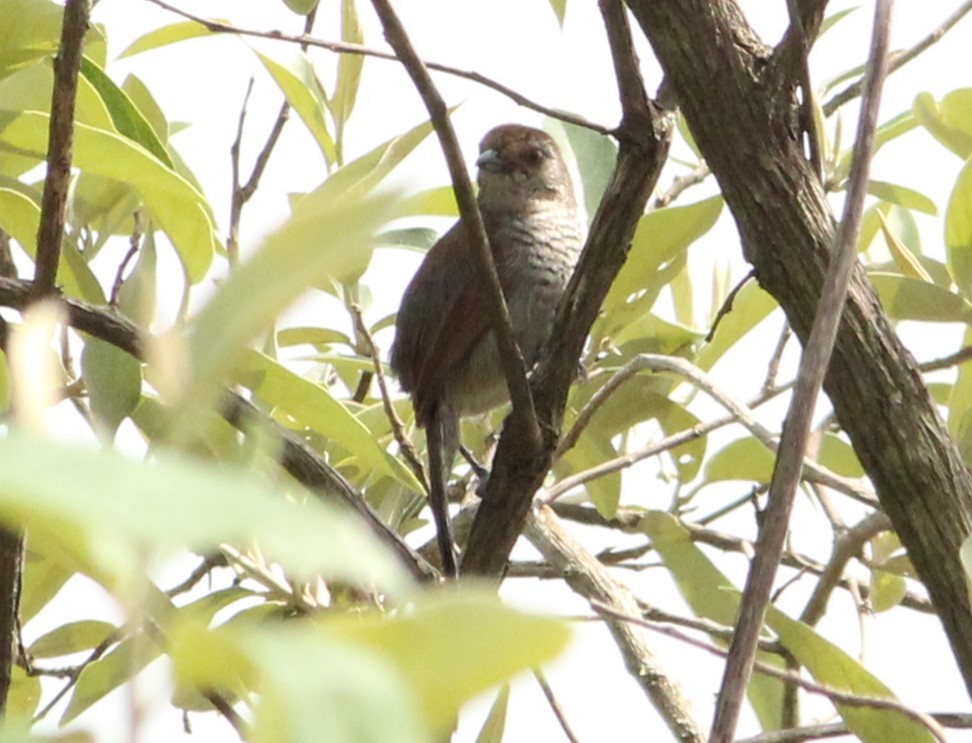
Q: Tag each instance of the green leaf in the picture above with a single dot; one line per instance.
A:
(902, 196)
(172, 201)
(349, 68)
(113, 669)
(559, 8)
(833, 19)
(317, 337)
(907, 261)
(960, 406)
(439, 202)
(20, 218)
(164, 36)
(905, 298)
(22, 700)
(595, 154)
(838, 456)
(71, 637)
(743, 459)
(298, 82)
(886, 132)
(362, 175)
(127, 119)
(831, 666)
(34, 36)
(495, 725)
(590, 451)
(949, 121)
(113, 379)
(104, 514)
(43, 578)
(887, 590)
(138, 293)
(958, 231)
(301, 7)
(327, 239)
(312, 405)
(750, 306)
(661, 237)
(454, 644)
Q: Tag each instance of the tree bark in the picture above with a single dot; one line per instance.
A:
(738, 97)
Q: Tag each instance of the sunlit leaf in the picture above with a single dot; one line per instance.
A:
(297, 80)
(595, 154)
(906, 260)
(902, 196)
(832, 666)
(743, 459)
(326, 240)
(113, 379)
(495, 725)
(349, 67)
(101, 513)
(312, 405)
(949, 120)
(904, 298)
(35, 34)
(173, 203)
(164, 36)
(71, 637)
(958, 231)
(750, 306)
(127, 119)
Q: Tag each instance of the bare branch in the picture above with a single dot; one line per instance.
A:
(900, 59)
(813, 368)
(342, 47)
(555, 706)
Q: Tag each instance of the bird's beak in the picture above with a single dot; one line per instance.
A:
(490, 160)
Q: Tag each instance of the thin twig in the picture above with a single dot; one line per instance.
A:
(773, 368)
(835, 695)
(134, 242)
(947, 362)
(405, 444)
(204, 568)
(837, 729)
(901, 58)
(726, 307)
(555, 705)
(739, 413)
(790, 461)
(60, 142)
(682, 183)
(343, 47)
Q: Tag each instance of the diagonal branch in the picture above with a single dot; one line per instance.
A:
(813, 367)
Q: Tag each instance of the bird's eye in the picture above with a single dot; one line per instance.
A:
(534, 156)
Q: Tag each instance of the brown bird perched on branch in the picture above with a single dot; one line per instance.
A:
(444, 353)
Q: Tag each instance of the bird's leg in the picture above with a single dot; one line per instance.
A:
(443, 437)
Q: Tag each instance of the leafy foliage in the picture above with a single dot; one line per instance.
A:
(308, 618)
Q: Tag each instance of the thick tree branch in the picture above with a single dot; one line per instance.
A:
(590, 579)
(715, 63)
(644, 136)
(813, 366)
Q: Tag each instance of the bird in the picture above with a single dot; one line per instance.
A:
(444, 352)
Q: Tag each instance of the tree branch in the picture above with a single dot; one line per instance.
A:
(343, 47)
(588, 578)
(813, 367)
(60, 140)
(716, 62)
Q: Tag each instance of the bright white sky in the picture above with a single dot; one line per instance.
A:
(519, 43)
